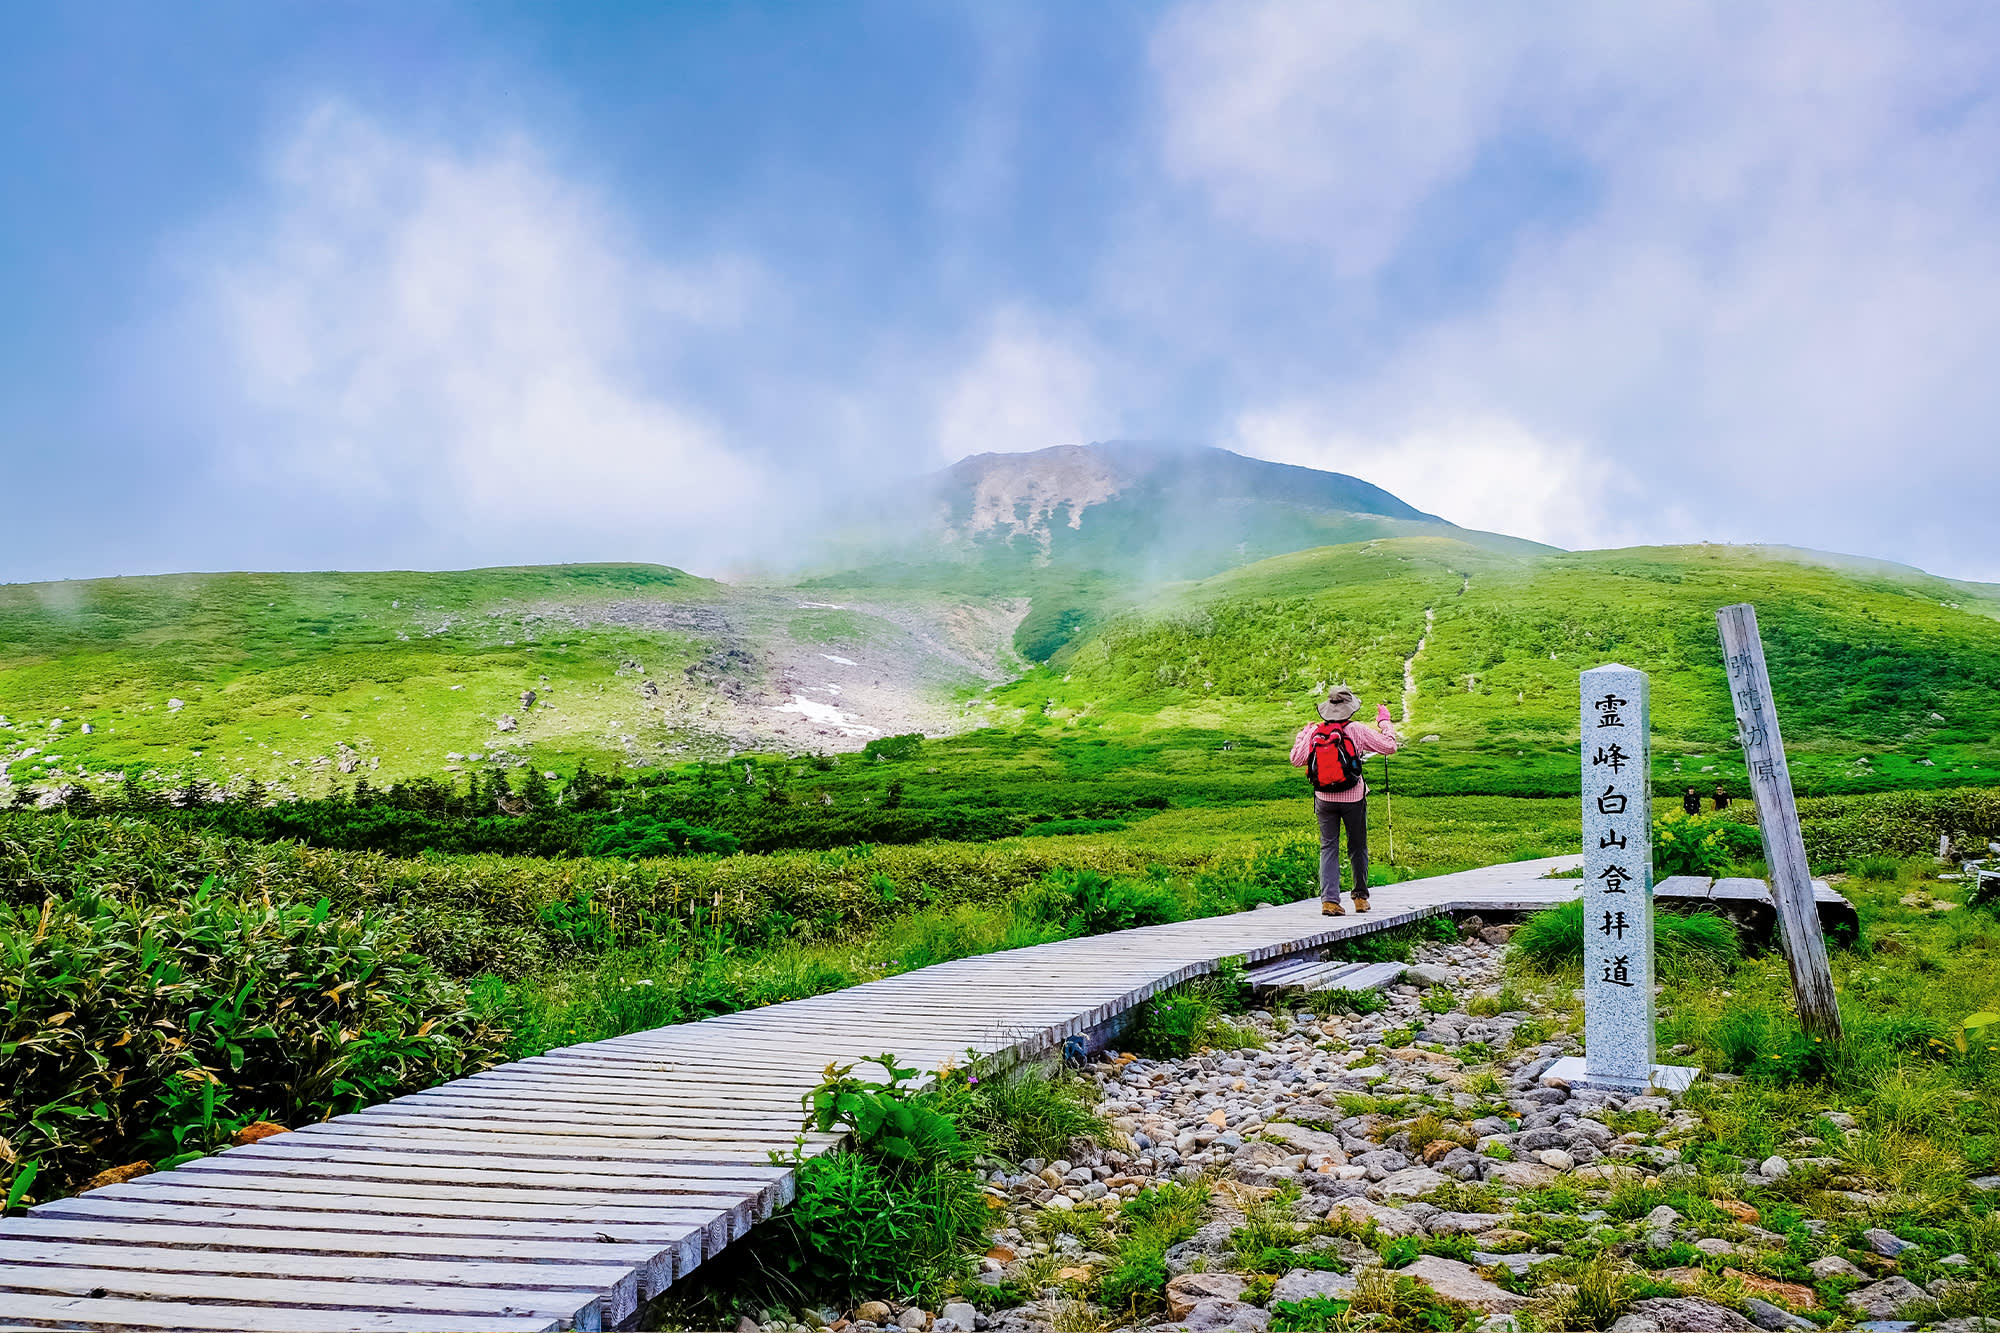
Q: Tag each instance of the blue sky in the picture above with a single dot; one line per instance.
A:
(352, 285)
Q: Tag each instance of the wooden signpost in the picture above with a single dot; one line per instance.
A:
(1778, 822)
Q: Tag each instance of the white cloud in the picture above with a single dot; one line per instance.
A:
(1027, 387)
(1487, 474)
(467, 334)
(1766, 312)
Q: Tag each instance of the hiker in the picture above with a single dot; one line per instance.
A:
(1691, 802)
(1330, 751)
(1721, 797)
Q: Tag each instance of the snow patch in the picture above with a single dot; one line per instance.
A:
(825, 714)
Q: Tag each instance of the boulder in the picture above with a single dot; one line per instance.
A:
(1300, 1139)
(1391, 1221)
(873, 1312)
(1411, 1182)
(1690, 1314)
(1191, 1289)
(1461, 1282)
(1833, 1266)
(1886, 1243)
(1885, 1299)
(1521, 1175)
(1427, 975)
(1305, 1283)
(962, 1313)
(1212, 1315)
(1768, 1316)
(1460, 1224)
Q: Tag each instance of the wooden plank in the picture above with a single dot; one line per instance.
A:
(347, 1180)
(565, 1309)
(1778, 822)
(28, 1310)
(683, 1239)
(588, 1171)
(614, 1287)
(654, 1265)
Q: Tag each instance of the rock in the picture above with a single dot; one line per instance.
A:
(1985, 1182)
(1768, 1316)
(1427, 975)
(1690, 1314)
(873, 1312)
(1518, 1264)
(1300, 1139)
(1304, 1283)
(1885, 1299)
(1461, 1282)
(1791, 1293)
(1521, 1175)
(1212, 1315)
(1459, 1224)
(117, 1175)
(962, 1313)
(1191, 1289)
(1833, 1266)
(1496, 934)
(1633, 1323)
(1774, 1168)
(1556, 1159)
(913, 1319)
(506, 723)
(745, 1324)
(1714, 1245)
(1737, 1209)
(1661, 1216)
(257, 1132)
(1411, 1182)
(1954, 1261)
(1392, 1221)
(1886, 1243)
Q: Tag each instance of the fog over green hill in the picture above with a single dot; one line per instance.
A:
(1169, 594)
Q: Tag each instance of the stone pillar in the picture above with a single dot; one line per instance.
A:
(1617, 877)
(1616, 718)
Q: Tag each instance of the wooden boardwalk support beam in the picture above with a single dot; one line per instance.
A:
(562, 1191)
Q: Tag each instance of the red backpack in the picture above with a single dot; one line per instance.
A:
(1333, 763)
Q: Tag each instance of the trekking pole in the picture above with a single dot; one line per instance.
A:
(1389, 800)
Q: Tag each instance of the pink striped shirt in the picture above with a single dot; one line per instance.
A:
(1367, 740)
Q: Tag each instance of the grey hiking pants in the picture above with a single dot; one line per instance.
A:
(1332, 816)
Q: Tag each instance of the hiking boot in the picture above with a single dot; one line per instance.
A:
(1360, 902)
(1332, 909)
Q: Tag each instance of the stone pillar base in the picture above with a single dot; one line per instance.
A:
(1666, 1078)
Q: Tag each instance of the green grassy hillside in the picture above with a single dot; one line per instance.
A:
(296, 678)
(1880, 679)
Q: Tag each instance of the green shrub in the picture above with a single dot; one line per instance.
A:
(894, 1214)
(1100, 904)
(1029, 1111)
(642, 835)
(906, 746)
(148, 1030)
(1552, 940)
(1881, 869)
(1064, 828)
(1154, 1220)
(1339, 1000)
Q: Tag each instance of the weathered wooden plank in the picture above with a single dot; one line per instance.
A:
(35, 1311)
(653, 1264)
(683, 1239)
(566, 1309)
(579, 1172)
(614, 1286)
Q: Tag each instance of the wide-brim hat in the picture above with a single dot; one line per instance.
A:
(1340, 705)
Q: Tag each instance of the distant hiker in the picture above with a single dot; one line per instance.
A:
(1721, 797)
(1330, 751)
(1691, 802)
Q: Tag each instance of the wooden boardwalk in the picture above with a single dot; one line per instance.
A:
(562, 1191)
